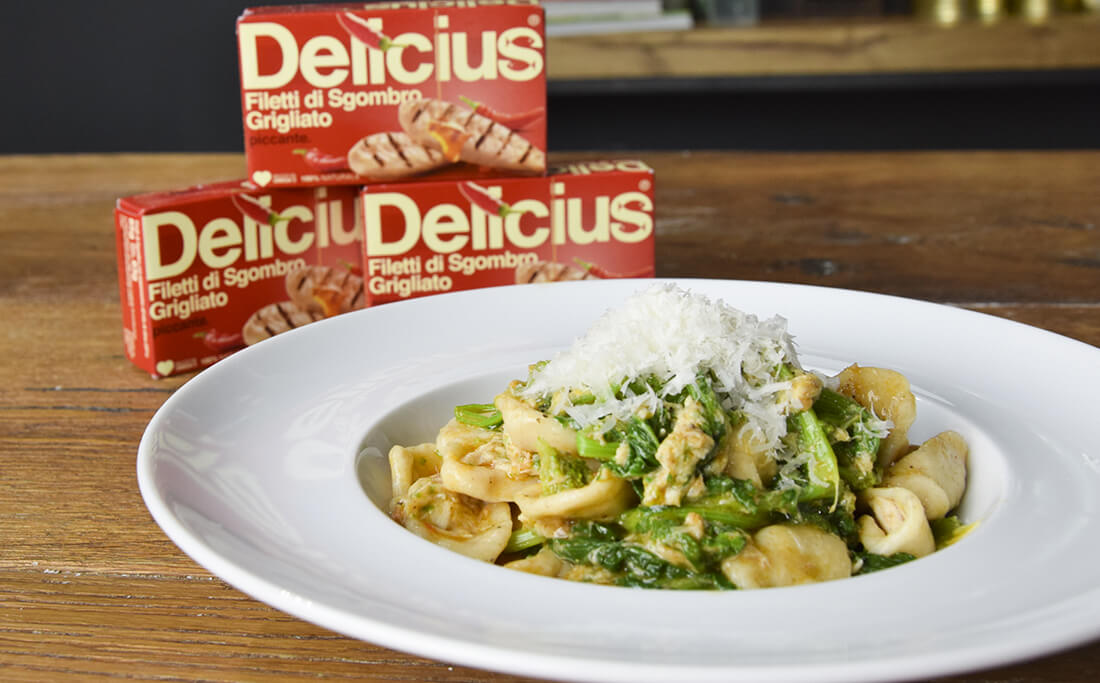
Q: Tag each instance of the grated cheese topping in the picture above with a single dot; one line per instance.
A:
(673, 335)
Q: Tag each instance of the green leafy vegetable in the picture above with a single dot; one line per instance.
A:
(948, 530)
(654, 526)
(560, 471)
(874, 563)
(837, 519)
(627, 563)
(642, 443)
(715, 421)
(854, 441)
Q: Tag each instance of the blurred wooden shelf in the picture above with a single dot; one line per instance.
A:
(831, 48)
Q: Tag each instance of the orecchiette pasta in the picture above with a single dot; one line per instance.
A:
(601, 499)
(748, 456)
(787, 555)
(693, 454)
(543, 563)
(525, 426)
(466, 525)
(896, 523)
(478, 462)
(409, 464)
(936, 472)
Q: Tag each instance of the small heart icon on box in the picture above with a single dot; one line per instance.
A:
(261, 178)
(165, 367)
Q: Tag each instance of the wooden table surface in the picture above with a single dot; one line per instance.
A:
(90, 586)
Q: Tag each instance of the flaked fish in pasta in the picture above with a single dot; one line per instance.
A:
(681, 444)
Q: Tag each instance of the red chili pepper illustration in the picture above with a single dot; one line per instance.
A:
(221, 341)
(480, 197)
(320, 161)
(358, 28)
(517, 121)
(352, 268)
(252, 208)
(601, 272)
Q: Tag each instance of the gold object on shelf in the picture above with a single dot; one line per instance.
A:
(1035, 10)
(946, 12)
(988, 10)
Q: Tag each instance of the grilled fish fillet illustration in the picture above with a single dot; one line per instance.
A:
(392, 155)
(275, 319)
(460, 134)
(550, 271)
(325, 289)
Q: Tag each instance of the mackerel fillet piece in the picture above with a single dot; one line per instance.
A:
(390, 156)
(275, 319)
(461, 134)
(327, 289)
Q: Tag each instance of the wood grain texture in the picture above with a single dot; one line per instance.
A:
(91, 588)
(846, 47)
(959, 228)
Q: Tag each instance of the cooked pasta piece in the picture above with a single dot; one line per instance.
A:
(896, 523)
(788, 555)
(485, 482)
(543, 563)
(749, 456)
(525, 426)
(456, 439)
(601, 499)
(478, 462)
(936, 472)
(453, 520)
(409, 464)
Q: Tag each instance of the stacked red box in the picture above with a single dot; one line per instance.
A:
(208, 270)
(587, 220)
(386, 91)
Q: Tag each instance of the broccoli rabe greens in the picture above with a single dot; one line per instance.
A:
(702, 456)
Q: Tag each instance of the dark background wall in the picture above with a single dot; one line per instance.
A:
(131, 75)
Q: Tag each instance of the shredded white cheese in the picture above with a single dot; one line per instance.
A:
(674, 335)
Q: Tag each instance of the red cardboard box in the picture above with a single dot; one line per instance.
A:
(583, 221)
(381, 92)
(210, 269)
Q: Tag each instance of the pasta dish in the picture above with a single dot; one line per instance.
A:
(680, 444)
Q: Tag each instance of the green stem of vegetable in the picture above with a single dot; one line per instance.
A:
(836, 409)
(587, 447)
(822, 469)
(857, 447)
(522, 539)
(483, 415)
(723, 514)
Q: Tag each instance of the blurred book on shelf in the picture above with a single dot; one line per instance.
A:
(803, 9)
(556, 9)
(590, 17)
(751, 12)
